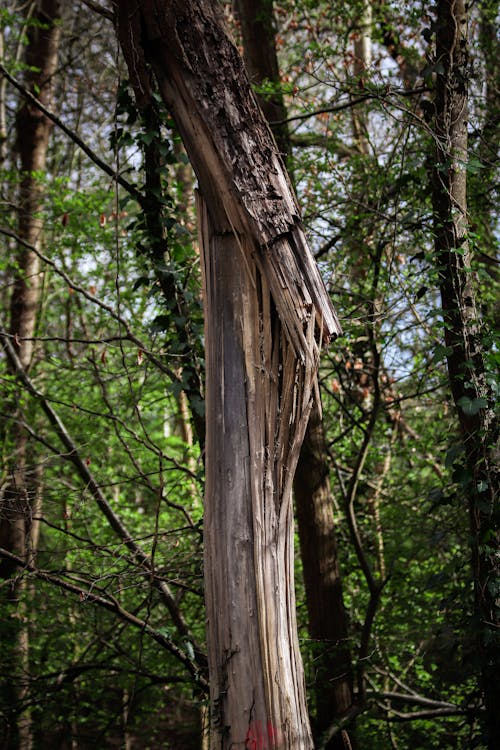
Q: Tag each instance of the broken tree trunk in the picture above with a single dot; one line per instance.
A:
(266, 314)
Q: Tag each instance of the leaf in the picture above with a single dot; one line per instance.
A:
(454, 452)
(462, 476)
(141, 281)
(147, 138)
(471, 406)
(198, 405)
(421, 292)
(474, 166)
(160, 323)
(441, 352)
(189, 648)
(436, 496)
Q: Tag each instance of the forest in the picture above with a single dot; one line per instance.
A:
(249, 355)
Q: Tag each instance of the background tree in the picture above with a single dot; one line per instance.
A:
(20, 507)
(472, 393)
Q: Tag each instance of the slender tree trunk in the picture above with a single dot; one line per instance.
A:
(313, 498)
(3, 105)
(362, 62)
(22, 498)
(266, 311)
(259, 53)
(484, 190)
(471, 393)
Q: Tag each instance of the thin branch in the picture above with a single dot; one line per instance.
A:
(338, 726)
(91, 484)
(99, 9)
(419, 715)
(327, 246)
(131, 189)
(413, 698)
(353, 103)
(108, 602)
(322, 140)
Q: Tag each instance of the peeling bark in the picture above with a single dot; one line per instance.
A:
(258, 401)
(202, 81)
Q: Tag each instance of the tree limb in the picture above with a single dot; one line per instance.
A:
(352, 103)
(99, 9)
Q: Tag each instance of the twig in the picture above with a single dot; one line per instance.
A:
(131, 189)
(106, 601)
(99, 9)
(352, 103)
(338, 726)
(91, 483)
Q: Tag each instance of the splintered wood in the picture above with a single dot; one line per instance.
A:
(267, 313)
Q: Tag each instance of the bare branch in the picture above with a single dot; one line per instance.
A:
(99, 9)
(339, 725)
(354, 102)
(131, 189)
(414, 698)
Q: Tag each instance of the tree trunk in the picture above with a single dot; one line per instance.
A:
(471, 393)
(361, 64)
(484, 190)
(259, 53)
(325, 604)
(21, 496)
(253, 382)
(266, 312)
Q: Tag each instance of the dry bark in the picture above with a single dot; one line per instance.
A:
(267, 313)
(202, 81)
(258, 399)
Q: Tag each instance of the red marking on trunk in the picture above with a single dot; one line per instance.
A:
(259, 738)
